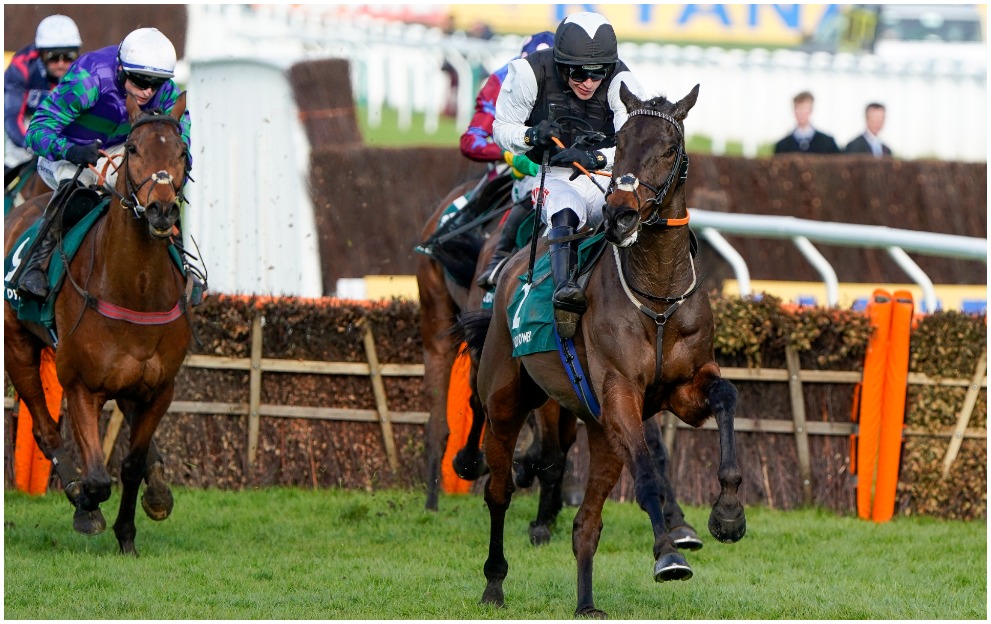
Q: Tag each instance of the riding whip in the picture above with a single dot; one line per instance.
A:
(538, 206)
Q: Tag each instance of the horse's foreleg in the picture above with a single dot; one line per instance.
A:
(621, 416)
(156, 500)
(727, 522)
(143, 421)
(505, 423)
(682, 533)
(84, 409)
(605, 467)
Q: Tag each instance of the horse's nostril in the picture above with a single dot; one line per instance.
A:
(627, 220)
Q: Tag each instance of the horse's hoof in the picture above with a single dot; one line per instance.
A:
(685, 538)
(523, 474)
(591, 613)
(672, 567)
(728, 530)
(469, 465)
(157, 503)
(493, 596)
(573, 495)
(540, 534)
(129, 550)
(89, 522)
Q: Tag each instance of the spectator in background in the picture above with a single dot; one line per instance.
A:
(32, 73)
(869, 142)
(805, 138)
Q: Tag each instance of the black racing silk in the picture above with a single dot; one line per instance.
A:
(556, 100)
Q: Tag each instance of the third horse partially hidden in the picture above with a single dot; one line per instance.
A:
(645, 342)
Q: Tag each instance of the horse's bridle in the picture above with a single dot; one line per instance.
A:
(675, 178)
(130, 199)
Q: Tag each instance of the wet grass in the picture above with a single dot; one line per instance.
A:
(331, 554)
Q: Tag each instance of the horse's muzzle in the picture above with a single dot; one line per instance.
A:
(621, 226)
(161, 218)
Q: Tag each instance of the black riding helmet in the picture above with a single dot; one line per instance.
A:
(586, 40)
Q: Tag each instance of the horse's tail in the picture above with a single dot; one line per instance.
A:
(471, 329)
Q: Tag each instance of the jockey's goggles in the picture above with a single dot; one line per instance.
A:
(143, 81)
(50, 56)
(581, 73)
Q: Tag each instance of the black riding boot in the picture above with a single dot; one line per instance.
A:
(569, 299)
(505, 247)
(70, 203)
(33, 282)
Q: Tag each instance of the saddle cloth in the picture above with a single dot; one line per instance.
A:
(531, 314)
(43, 312)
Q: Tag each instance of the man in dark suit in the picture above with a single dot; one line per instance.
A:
(804, 138)
(868, 142)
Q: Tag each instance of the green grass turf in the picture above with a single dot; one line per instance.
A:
(329, 554)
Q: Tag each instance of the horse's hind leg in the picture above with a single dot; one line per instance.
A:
(469, 461)
(727, 522)
(505, 422)
(22, 360)
(605, 467)
(682, 533)
(555, 442)
(135, 464)
(437, 313)
(156, 500)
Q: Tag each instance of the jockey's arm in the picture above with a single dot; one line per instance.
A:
(513, 107)
(76, 93)
(15, 93)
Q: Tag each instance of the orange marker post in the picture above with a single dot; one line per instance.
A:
(459, 416)
(871, 398)
(893, 409)
(31, 468)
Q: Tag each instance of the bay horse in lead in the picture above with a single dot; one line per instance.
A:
(646, 343)
(123, 328)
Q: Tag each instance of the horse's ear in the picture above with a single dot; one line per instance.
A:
(681, 108)
(179, 107)
(630, 101)
(133, 109)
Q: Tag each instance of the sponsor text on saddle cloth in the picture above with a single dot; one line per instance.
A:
(43, 312)
(531, 315)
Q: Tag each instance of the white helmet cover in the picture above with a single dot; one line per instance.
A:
(57, 31)
(147, 51)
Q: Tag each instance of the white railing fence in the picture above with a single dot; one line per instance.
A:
(935, 109)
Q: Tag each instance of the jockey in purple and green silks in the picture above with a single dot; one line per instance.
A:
(86, 113)
(89, 105)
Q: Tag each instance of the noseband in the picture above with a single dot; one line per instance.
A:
(675, 178)
(130, 199)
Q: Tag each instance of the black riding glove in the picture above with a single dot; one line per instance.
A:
(83, 154)
(590, 159)
(541, 134)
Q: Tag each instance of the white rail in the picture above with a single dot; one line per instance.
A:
(803, 231)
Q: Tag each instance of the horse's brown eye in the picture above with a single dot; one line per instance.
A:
(131, 149)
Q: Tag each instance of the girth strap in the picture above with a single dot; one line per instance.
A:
(576, 374)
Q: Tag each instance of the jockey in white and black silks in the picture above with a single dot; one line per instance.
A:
(580, 78)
